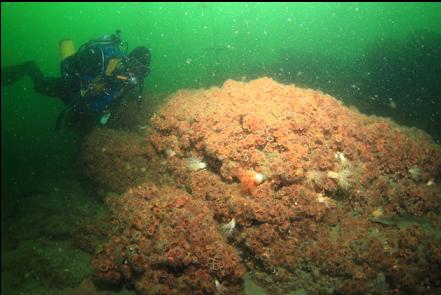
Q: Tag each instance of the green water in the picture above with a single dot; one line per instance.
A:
(352, 51)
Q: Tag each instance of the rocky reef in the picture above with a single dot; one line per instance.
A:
(286, 183)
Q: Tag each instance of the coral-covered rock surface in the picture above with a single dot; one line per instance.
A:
(285, 183)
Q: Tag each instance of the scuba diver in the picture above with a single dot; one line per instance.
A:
(92, 79)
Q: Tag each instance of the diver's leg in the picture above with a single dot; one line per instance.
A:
(11, 74)
(53, 87)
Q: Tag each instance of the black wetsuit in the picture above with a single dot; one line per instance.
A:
(61, 88)
(85, 85)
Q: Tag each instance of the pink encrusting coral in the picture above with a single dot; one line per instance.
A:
(166, 241)
(308, 193)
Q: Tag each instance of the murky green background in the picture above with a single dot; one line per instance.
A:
(384, 58)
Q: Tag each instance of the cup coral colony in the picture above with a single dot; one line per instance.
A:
(284, 183)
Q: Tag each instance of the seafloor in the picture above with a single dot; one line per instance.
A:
(286, 186)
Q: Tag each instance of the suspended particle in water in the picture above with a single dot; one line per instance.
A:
(392, 104)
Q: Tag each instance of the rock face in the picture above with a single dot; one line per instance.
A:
(114, 160)
(313, 196)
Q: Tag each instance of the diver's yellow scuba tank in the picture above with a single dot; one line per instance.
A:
(67, 48)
